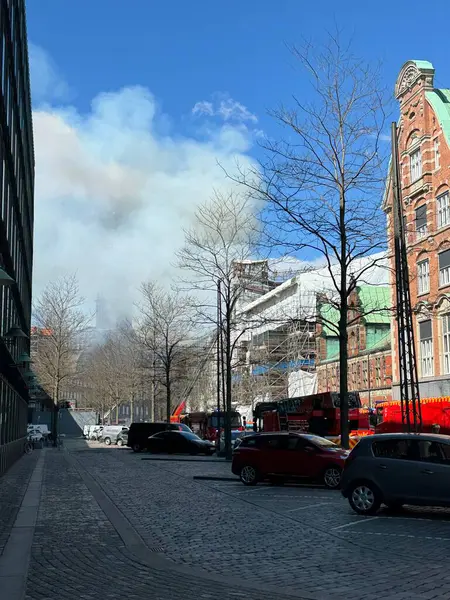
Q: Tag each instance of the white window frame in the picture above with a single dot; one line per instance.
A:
(421, 232)
(426, 357)
(437, 154)
(446, 344)
(423, 277)
(443, 209)
(415, 164)
(444, 276)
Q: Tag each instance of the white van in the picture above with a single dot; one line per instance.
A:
(110, 433)
(88, 430)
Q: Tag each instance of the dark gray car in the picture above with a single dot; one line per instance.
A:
(396, 469)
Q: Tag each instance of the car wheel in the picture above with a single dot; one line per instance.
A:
(332, 477)
(249, 475)
(364, 498)
(120, 442)
(136, 448)
(108, 441)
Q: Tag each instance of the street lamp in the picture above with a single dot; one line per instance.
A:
(5, 279)
(24, 358)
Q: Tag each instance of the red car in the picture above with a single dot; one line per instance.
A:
(288, 456)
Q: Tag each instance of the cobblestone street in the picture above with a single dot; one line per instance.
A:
(111, 523)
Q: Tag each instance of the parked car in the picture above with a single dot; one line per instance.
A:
(180, 442)
(288, 456)
(122, 438)
(95, 433)
(396, 469)
(88, 430)
(139, 433)
(111, 433)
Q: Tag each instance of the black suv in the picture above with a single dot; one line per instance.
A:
(139, 433)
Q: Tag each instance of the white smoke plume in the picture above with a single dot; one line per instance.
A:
(113, 193)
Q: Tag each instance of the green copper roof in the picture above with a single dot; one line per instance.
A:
(329, 314)
(375, 303)
(440, 103)
(423, 64)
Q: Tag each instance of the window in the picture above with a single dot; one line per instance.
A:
(434, 452)
(416, 165)
(444, 268)
(446, 342)
(437, 156)
(426, 348)
(400, 449)
(443, 210)
(421, 221)
(378, 372)
(423, 276)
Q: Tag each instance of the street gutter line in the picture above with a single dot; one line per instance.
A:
(362, 520)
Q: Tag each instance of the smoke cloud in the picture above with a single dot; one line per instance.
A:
(113, 193)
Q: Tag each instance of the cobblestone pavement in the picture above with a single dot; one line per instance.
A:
(216, 539)
(304, 540)
(12, 491)
(77, 553)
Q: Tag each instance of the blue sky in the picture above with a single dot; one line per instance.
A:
(136, 101)
(185, 51)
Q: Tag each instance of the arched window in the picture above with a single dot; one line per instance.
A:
(443, 208)
(423, 275)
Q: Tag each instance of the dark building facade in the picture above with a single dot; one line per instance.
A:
(16, 229)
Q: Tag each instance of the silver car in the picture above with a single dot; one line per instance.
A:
(396, 469)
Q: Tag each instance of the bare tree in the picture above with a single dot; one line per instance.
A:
(322, 183)
(165, 329)
(215, 253)
(60, 323)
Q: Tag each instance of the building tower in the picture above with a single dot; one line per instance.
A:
(16, 229)
(424, 157)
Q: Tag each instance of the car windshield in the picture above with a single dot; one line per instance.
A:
(320, 441)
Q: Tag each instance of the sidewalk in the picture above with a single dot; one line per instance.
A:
(67, 540)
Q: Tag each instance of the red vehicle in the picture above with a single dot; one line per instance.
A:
(317, 414)
(284, 456)
(207, 424)
(435, 411)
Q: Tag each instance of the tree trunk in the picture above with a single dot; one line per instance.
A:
(343, 335)
(152, 393)
(228, 448)
(168, 395)
(55, 411)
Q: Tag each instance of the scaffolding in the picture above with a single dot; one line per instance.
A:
(269, 360)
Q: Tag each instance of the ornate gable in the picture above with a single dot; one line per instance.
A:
(411, 72)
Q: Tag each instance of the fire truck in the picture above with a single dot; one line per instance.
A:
(435, 411)
(318, 414)
(207, 424)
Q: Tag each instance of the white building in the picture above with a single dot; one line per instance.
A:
(275, 333)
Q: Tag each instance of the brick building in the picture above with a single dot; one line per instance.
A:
(369, 345)
(424, 155)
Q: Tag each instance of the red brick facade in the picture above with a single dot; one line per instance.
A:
(424, 154)
(369, 369)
